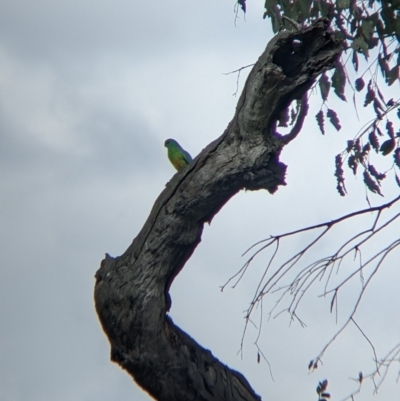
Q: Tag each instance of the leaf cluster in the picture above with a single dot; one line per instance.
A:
(321, 391)
(358, 153)
(371, 139)
(363, 26)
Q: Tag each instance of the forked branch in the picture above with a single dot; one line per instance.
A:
(276, 280)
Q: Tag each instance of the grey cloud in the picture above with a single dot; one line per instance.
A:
(153, 29)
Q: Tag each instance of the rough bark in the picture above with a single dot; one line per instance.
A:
(130, 290)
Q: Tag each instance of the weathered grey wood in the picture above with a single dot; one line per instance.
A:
(130, 289)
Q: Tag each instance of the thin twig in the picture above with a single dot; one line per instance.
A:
(272, 280)
(239, 70)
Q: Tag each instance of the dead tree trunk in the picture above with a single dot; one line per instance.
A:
(130, 289)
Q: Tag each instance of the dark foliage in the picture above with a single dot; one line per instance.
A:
(370, 29)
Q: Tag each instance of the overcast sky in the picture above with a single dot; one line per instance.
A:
(89, 91)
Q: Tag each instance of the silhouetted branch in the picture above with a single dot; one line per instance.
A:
(271, 280)
(382, 368)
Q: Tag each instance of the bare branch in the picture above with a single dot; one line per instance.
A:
(382, 368)
(239, 70)
(370, 343)
(271, 281)
(327, 224)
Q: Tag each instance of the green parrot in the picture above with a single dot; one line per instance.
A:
(176, 155)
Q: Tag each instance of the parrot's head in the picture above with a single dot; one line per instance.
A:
(170, 142)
